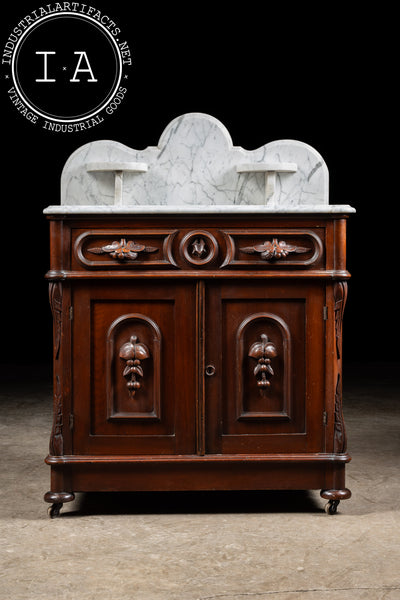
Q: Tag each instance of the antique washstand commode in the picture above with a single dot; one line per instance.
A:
(197, 292)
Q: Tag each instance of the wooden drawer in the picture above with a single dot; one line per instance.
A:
(274, 248)
(203, 248)
(123, 248)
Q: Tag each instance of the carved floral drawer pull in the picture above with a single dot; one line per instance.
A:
(263, 351)
(133, 353)
(274, 250)
(123, 250)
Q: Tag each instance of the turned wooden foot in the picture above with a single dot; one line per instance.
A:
(334, 497)
(57, 499)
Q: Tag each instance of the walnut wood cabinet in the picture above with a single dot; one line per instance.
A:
(197, 353)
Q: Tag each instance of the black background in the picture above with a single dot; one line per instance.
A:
(313, 72)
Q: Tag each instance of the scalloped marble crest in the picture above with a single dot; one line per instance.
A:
(194, 167)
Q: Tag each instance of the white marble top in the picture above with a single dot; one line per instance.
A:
(195, 169)
(153, 209)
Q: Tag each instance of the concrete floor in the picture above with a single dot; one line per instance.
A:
(192, 546)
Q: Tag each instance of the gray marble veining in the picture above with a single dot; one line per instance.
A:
(195, 168)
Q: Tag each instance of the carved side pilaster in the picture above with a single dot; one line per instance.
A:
(340, 297)
(56, 445)
(339, 439)
(55, 298)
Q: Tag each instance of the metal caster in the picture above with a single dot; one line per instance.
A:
(57, 499)
(331, 507)
(334, 496)
(54, 510)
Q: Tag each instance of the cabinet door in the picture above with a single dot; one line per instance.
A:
(266, 341)
(134, 357)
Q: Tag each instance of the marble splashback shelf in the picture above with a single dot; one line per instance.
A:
(270, 170)
(118, 169)
(195, 169)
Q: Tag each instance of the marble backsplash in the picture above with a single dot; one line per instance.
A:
(195, 168)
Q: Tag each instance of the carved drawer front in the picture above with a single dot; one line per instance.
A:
(274, 248)
(123, 249)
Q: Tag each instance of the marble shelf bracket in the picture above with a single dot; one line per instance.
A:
(118, 169)
(270, 170)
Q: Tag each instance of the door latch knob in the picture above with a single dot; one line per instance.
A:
(210, 370)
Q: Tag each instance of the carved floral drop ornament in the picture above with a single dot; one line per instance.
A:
(263, 351)
(123, 250)
(133, 353)
(274, 250)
